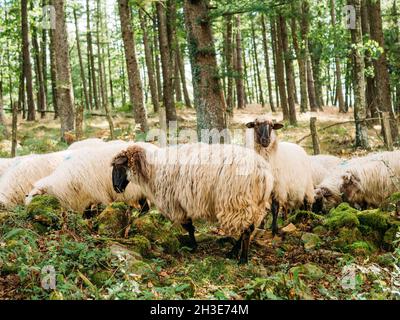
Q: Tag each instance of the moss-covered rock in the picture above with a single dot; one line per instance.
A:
(308, 271)
(346, 237)
(170, 243)
(341, 216)
(45, 212)
(113, 220)
(100, 277)
(307, 217)
(390, 235)
(361, 248)
(375, 219)
(310, 240)
(142, 245)
(320, 230)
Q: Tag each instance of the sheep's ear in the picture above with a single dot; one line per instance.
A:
(139, 161)
(326, 192)
(120, 161)
(277, 126)
(250, 124)
(349, 178)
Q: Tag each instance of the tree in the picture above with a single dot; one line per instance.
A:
(239, 67)
(360, 111)
(65, 94)
(208, 95)
(261, 96)
(266, 62)
(27, 67)
(135, 85)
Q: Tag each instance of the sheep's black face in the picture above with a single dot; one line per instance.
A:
(263, 131)
(119, 175)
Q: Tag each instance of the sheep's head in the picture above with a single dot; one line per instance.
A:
(33, 193)
(263, 130)
(129, 165)
(350, 187)
(324, 200)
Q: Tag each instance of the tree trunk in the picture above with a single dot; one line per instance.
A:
(280, 71)
(229, 68)
(181, 65)
(339, 88)
(41, 95)
(135, 85)
(209, 97)
(274, 54)
(289, 71)
(3, 124)
(149, 63)
(44, 58)
(92, 71)
(81, 67)
(360, 111)
(53, 74)
(27, 60)
(166, 64)
(266, 62)
(261, 96)
(156, 53)
(381, 66)
(65, 95)
(302, 66)
(239, 68)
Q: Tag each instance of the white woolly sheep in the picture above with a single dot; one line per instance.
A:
(226, 183)
(18, 180)
(322, 165)
(293, 186)
(85, 179)
(5, 163)
(363, 181)
(87, 143)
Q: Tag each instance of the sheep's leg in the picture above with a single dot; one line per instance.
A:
(144, 206)
(285, 213)
(244, 255)
(275, 212)
(233, 254)
(188, 226)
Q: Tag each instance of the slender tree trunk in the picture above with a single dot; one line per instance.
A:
(208, 93)
(156, 54)
(3, 124)
(381, 66)
(181, 65)
(360, 111)
(261, 96)
(302, 67)
(81, 67)
(135, 85)
(266, 62)
(280, 72)
(239, 67)
(289, 71)
(93, 80)
(274, 54)
(53, 75)
(27, 60)
(65, 95)
(41, 95)
(149, 63)
(229, 68)
(44, 59)
(166, 64)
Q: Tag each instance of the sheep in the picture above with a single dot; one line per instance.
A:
(321, 166)
(5, 163)
(84, 180)
(18, 180)
(362, 181)
(87, 143)
(290, 165)
(229, 184)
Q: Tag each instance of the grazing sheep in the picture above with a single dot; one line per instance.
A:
(321, 166)
(18, 180)
(5, 163)
(362, 181)
(290, 166)
(87, 143)
(85, 179)
(226, 183)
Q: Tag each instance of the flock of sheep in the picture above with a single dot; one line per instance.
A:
(229, 184)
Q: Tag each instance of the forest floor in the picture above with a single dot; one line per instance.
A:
(116, 254)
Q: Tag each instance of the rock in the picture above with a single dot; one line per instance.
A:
(320, 230)
(142, 245)
(113, 221)
(361, 248)
(309, 271)
(375, 219)
(45, 212)
(289, 228)
(310, 240)
(346, 237)
(305, 217)
(99, 278)
(341, 216)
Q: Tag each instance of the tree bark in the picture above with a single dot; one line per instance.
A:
(135, 85)
(266, 62)
(3, 124)
(208, 93)
(41, 95)
(280, 71)
(27, 67)
(239, 67)
(181, 65)
(360, 111)
(261, 96)
(92, 71)
(53, 74)
(228, 62)
(65, 95)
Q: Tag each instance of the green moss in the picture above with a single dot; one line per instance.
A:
(148, 226)
(310, 240)
(346, 237)
(170, 243)
(395, 197)
(320, 230)
(309, 271)
(99, 278)
(142, 245)
(361, 248)
(386, 259)
(341, 216)
(375, 219)
(113, 220)
(305, 217)
(390, 235)
(45, 212)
